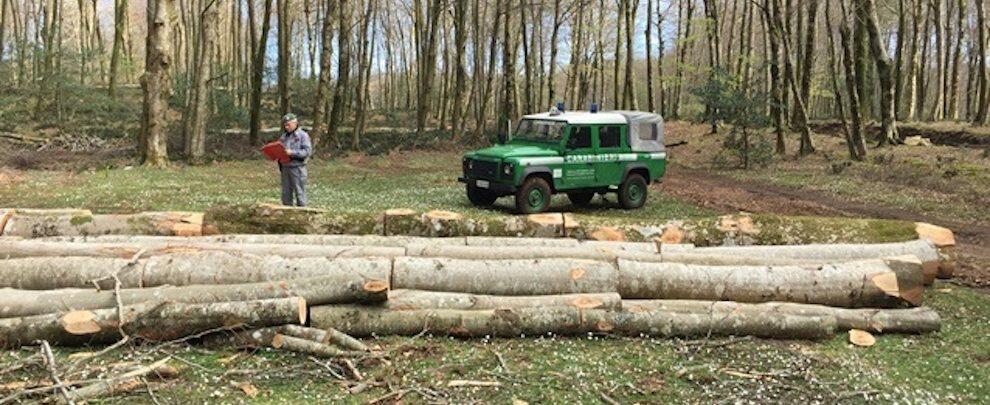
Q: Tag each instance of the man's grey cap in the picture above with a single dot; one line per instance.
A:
(289, 118)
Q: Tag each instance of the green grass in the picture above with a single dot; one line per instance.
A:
(949, 366)
(417, 180)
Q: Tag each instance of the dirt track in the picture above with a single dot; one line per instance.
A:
(732, 195)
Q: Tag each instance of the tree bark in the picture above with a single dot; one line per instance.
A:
(315, 290)
(911, 320)
(857, 144)
(852, 285)
(156, 321)
(337, 110)
(406, 300)
(504, 277)
(156, 84)
(917, 18)
(45, 273)
(983, 105)
(44, 223)
(300, 345)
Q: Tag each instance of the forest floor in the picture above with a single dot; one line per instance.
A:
(946, 185)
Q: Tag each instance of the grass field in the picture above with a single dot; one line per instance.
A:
(952, 366)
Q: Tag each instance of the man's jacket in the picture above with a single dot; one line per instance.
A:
(300, 146)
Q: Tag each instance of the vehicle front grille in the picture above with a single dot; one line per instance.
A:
(482, 169)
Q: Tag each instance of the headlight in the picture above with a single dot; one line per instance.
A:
(507, 169)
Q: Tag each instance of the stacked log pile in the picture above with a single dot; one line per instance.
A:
(310, 293)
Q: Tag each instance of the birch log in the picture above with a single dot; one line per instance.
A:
(910, 320)
(366, 321)
(33, 248)
(869, 283)
(316, 291)
(44, 273)
(405, 300)
(504, 277)
(150, 320)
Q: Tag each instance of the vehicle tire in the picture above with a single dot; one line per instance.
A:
(580, 198)
(480, 197)
(632, 192)
(533, 197)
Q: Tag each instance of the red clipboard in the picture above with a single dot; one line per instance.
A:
(276, 151)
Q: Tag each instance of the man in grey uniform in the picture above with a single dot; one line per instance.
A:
(299, 147)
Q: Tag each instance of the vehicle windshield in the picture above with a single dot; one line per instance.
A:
(539, 130)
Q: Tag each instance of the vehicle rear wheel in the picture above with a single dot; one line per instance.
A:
(480, 197)
(632, 193)
(533, 197)
(580, 198)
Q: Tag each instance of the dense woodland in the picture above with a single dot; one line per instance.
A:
(467, 68)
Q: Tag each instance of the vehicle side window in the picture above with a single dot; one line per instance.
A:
(580, 138)
(648, 132)
(609, 137)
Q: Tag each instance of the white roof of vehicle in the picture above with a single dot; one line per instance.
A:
(581, 117)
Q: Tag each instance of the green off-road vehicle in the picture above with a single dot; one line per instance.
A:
(578, 153)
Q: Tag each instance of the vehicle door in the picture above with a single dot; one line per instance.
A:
(610, 162)
(579, 152)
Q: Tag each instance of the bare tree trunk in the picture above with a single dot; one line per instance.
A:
(460, 73)
(362, 95)
(936, 15)
(682, 47)
(628, 90)
(343, 71)
(426, 26)
(953, 107)
(888, 123)
(554, 35)
(196, 112)
(284, 56)
(807, 67)
(323, 84)
(156, 83)
(777, 94)
(857, 144)
(508, 107)
(983, 105)
(258, 47)
(119, 27)
(913, 60)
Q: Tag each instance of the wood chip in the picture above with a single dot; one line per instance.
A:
(861, 338)
(248, 388)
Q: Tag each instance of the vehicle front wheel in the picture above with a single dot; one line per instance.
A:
(632, 193)
(580, 198)
(533, 197)
(480, 197)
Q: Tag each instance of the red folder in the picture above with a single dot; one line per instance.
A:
(276, 151)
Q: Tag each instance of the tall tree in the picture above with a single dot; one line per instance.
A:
(194, 133)
(119, 28)
(284, 56)
(426, 25)
(682, 48)
(648, 36)
(777, 93)
(156, 84)
(258, 47)
(776, 24)
(460, 73)
(983, 96)
(857, 146)
(323, 84)
(343, 71)
(953, 102)
(913, 61)
(628, 88)
(888, 123)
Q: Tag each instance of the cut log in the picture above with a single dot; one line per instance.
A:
(608, 234)
(328, 335)
(317, 290)
(504, 277)
(403, 221)
(504, 241)
(405, 300)
(45, 273)
(924, 250)
(523, 252)
(868, 283)
(270, 218)
(940, 236)
(443, 223)
(280, 239)
(910, 320)
(157, 321)
(41, 223)
(367, 321)
(300, 345)
(33, 248)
